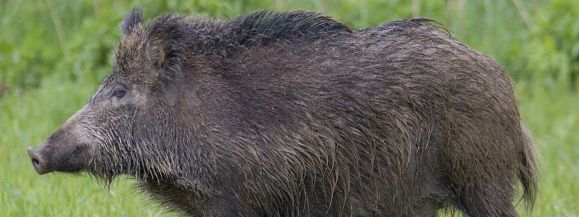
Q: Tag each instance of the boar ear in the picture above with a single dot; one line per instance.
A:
(132, 20)
(165, 46)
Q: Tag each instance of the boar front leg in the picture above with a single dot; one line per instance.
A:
(197, 200)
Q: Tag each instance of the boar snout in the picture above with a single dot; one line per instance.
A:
(59, 153)
(38, 161)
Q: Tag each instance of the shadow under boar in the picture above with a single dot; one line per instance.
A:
(295, 114)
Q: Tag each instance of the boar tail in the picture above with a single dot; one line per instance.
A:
(528, 168)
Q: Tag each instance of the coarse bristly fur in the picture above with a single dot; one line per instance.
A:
(295, 114)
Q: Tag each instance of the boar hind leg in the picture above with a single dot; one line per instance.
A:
(487, 196)
(482, 167)
(487, 204)
(426, 209)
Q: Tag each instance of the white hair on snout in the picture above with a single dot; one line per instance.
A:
(74, 128)
(114, 150)
(84, 128)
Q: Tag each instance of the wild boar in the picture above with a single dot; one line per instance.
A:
(296, 114)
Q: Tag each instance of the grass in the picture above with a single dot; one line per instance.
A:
(554, 121)
(49, 71)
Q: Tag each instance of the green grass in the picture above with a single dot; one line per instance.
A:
(45, 78)
(554, 121)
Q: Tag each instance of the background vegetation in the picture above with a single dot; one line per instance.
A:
(53, 53)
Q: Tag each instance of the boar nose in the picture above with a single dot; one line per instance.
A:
(38, 160)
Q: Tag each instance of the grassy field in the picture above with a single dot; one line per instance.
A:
(53, 54)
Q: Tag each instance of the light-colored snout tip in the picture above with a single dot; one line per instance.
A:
(38, 161)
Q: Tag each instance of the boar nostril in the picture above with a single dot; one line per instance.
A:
(35, 162)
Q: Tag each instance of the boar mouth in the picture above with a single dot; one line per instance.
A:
(45, 160)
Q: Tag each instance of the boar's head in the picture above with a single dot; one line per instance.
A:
(124, 127)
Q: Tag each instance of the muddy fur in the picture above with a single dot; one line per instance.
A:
(295, 114)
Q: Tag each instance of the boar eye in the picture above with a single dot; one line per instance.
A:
(119, 92)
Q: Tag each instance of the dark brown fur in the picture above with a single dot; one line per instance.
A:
(294, 114)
